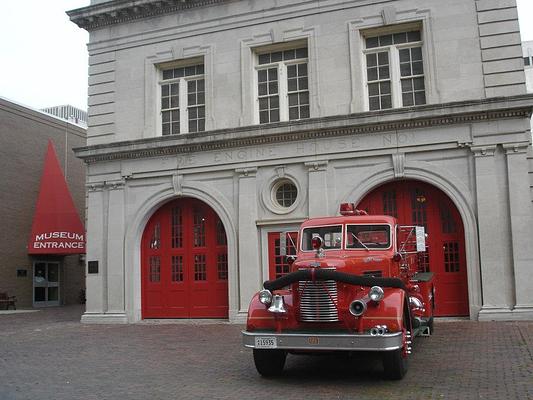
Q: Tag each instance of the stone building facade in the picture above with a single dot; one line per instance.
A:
(214, 125)
(24, 137)
(527, 52)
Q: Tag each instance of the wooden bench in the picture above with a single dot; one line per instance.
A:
(6, 301)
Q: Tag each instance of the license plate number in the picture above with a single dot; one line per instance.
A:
(266, 342)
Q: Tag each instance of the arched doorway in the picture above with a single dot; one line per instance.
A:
(418, 203)
(184, 262)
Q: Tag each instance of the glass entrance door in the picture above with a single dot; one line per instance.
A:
(45, 283)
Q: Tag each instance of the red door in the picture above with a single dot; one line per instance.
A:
(184, 263)
(277, 263)
(417, 203)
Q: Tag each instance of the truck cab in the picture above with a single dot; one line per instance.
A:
(355, 285)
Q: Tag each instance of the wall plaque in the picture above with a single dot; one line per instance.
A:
(92, 267)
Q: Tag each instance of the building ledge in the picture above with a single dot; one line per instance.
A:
(421, 117)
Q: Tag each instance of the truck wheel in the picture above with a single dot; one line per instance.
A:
(431, 325)
(395, 364)
(269, 362)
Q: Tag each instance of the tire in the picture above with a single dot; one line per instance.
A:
(395, 364)
(430, 322)
(431, 325)
(269, 362)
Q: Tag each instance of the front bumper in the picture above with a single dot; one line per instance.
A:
(322, 341)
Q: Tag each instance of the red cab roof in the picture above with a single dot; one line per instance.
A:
(350, 219)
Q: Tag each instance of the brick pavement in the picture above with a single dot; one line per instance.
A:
(50, 355)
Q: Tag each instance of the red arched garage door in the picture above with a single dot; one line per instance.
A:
(184, 263)
(417, 203)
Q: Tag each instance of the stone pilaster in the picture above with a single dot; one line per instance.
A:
(248, 242)
(496, 280)
(115, 249)
(520, 210)
(105, 289)
(318, 193)
(96, 302)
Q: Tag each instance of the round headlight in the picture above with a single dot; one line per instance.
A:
(376, 293)
(265, 297)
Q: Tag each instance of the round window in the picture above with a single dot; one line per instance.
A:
(285, 193)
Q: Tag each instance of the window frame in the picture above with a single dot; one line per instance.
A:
(283, 92)
(274, 192)
(395, 77)
(389, 226)
(183, 102)
(301, 237)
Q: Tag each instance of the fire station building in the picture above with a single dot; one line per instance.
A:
(216, 125)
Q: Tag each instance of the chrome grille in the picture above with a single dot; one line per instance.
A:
(317, 301)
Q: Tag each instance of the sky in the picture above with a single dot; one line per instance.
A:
(44, 56)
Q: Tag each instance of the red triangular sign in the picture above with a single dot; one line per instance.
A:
(57, 228)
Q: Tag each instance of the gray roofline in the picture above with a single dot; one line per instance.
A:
(121, 11)
(13, 106)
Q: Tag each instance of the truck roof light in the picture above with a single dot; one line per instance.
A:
(347, 209)
(350, 209)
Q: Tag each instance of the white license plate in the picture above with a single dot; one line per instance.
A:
(266, 342)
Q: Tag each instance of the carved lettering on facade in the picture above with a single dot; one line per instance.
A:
(244, 154)
(186, 160)
(387, 140)
(398, 139)
(326, 146)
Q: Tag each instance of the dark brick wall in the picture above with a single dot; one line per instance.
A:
(24, 135)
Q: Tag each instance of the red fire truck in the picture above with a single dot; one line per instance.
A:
(356, 284)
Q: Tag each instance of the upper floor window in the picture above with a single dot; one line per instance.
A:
(394, 70)
(527, 61)
(282, 85)
(182, 99)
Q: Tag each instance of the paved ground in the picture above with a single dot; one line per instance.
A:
(50, 355)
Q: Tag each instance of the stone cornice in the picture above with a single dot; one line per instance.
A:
(317, 166)
(483, 151)
(120, 11)
(249, 172)
(516, 148)
(106, 185)
(354, 124)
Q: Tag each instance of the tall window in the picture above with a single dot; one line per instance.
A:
(182, 99)
(282, 85)
(394, 70)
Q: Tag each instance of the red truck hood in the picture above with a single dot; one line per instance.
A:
(357, 264)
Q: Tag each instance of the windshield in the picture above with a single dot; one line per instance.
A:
(367, 236)
(332, 236)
